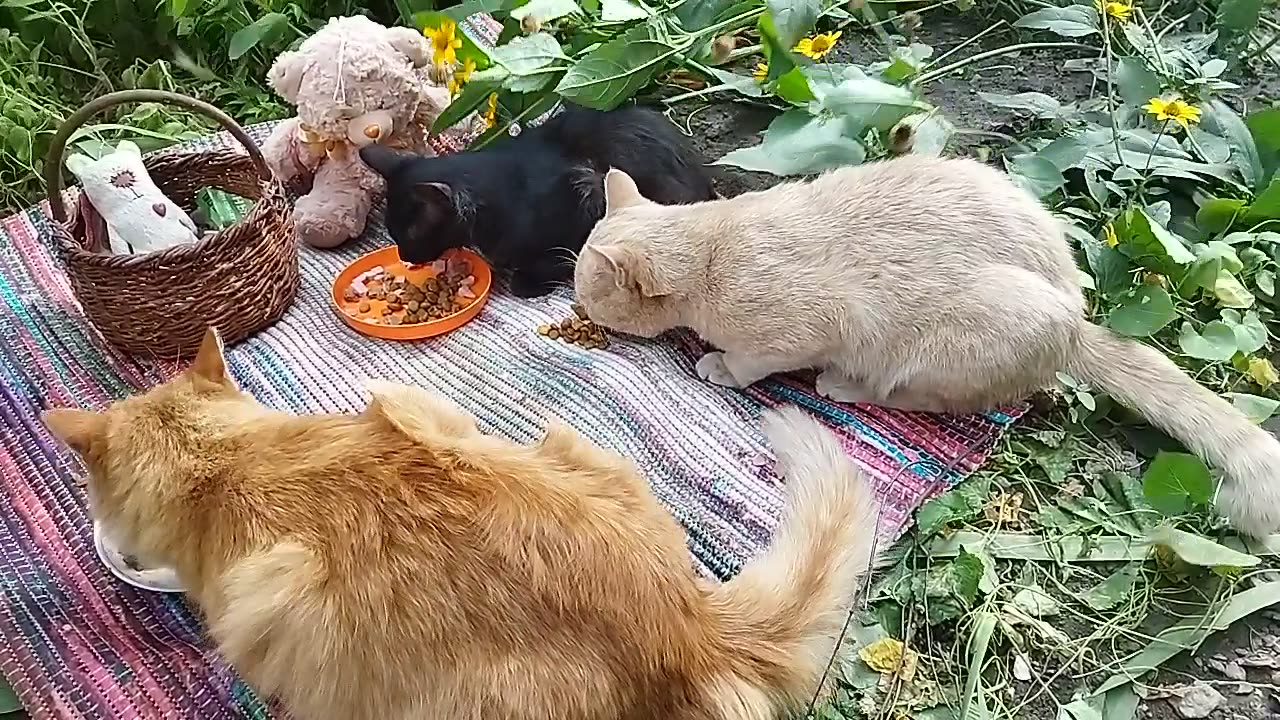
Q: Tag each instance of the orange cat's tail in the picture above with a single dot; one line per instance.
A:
(782, 615)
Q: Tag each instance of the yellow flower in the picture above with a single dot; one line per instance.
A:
(1119, 10)
(1109, 235)
(1263, 372)
(761, 72)
(461, 76)
(444, 41)
(1176, 109)
(889, 656)
(490, 114)
(817, 46)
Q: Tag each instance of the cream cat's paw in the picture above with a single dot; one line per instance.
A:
(711, 368)
(833, 385)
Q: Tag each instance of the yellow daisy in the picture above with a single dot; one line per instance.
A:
(1176, 109)
(761, 72)
(461, 76)
(1119, 10)
(817, 46)
(1109, 235)
(444, 41)
(490, 114)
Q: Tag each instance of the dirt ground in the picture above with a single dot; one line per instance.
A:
(719, 127)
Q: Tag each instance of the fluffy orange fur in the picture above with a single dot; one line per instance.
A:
(400, 564)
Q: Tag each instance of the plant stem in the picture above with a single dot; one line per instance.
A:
(966, 43)
(1111, 100)
(1008, 49)
(1154, 144)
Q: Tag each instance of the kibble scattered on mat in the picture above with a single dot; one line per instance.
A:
(577, 330)
(388, 297)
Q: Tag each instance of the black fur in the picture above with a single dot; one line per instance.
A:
(528, 203)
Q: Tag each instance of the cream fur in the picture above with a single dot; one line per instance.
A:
(920, 283)
(400, 564)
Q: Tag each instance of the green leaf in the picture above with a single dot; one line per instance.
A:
(1042, 106)
(1217, 342)
(1142, 311)
(1217, 214)
(865, 101)
(906, 62)
(1176, 482)
(621, 11)
(1266, 206)
(1266, 281)
(959, 504)
(793, 19)
(530, 61)
(742, 83)
(975, 697)
(265, 29)
(952, 587)
(1189, 633)
(8, 699)
(1036, 175)
(798, 143)
(1071, 21)
(932, 133)
(546, 10)
(695, 15)
(1230, 292)
(1198, 550)
(1034, 601)
(616, 70)
(1251, 334)
(778, 54)
(473, 95)
(1219, 119)
(793, 86)
(1238, 17)
(1149, 243)
(1109, 266)
(464, 10)
(1135, 81)
(1114, 588)
(1257, 409)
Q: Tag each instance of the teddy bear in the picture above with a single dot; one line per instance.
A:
(353, 83)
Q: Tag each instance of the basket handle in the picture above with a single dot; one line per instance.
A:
(53, 161)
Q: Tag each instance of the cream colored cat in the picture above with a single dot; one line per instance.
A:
(400, 565)
(918, 283)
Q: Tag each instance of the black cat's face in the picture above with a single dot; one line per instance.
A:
(420, 215)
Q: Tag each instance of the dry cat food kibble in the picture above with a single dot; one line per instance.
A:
(403, 294)
(577, 330)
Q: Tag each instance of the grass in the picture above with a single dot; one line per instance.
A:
(1086, 553)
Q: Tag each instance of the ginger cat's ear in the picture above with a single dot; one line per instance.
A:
(209, 363)
(620, 191)
(77, 429)
(631, 268)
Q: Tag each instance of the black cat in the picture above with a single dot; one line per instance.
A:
(527, 203)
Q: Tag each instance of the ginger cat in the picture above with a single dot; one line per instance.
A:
(919, 283)
(399, 564)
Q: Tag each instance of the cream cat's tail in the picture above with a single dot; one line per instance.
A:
(1143, 379)
(781, 616)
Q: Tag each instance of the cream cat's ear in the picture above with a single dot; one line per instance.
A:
(209, 363)
(631, 269)
(78, 429)
(620, 191)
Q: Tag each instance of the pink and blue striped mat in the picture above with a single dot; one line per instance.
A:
(77, 644)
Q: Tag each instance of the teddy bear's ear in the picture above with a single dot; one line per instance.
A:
(130, 147)
(285, 75)
(78, 163)
(411, 43)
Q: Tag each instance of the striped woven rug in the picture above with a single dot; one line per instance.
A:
(77, 644)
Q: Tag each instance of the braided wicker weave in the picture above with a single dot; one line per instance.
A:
(239, 280)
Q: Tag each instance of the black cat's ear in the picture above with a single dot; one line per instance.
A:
(434, 193)
(383, 160)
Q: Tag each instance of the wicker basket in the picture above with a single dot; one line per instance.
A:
(239, 280)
